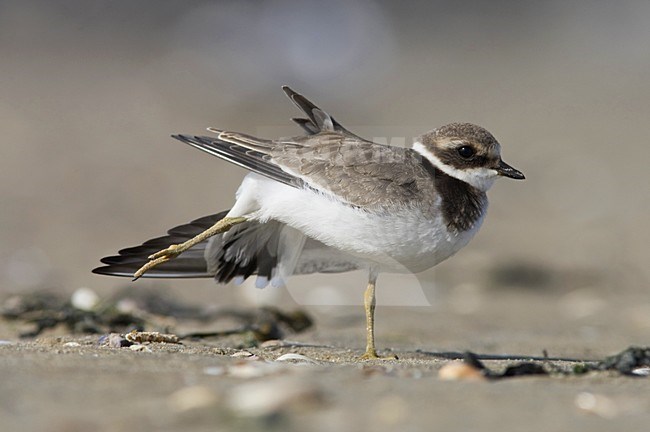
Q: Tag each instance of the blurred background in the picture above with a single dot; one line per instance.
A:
(91, 91)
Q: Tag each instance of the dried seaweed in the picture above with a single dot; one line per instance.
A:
(627, 362)
(45, 310)
(519, 369)
(145, 309)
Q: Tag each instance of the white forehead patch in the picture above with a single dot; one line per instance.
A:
(481, 178)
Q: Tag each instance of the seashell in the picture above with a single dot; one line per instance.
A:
(457, 371)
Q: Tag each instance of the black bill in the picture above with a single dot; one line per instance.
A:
(507, 171)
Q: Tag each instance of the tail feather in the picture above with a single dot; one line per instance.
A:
(250, 248)
(190, 264)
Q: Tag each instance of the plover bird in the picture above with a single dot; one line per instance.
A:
(330, 201)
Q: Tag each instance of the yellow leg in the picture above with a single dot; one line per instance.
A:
(174, 250)
(370, 302)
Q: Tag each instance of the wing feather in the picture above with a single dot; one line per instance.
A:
(241, 156)
(317, 119)
(330, 160)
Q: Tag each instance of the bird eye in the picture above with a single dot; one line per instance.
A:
(466, 152)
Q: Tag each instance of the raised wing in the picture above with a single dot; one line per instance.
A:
(330, 160)
(317, 120)
(252, 160)
(351, 170)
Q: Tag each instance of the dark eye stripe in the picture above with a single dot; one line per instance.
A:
(452, 158)
(478, 161)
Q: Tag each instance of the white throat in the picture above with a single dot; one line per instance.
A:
(481, 178)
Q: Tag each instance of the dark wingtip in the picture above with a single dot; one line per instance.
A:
(103, 270)
(291, 93)
(187, 139)
(97, 270)
(114, 271)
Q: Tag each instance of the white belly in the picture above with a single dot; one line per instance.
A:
(405, 240)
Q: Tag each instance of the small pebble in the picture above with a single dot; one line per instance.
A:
(298, 358)
(242, 354)
(84, 299)
(72, 344)
(6, 342)
(273, 343)
(140, 347)
(192, 398)
(458, 371)
(641, 371)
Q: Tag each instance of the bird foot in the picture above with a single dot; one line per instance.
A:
(372, 355)
(158, 258)
(176, 249)
(171, 252)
